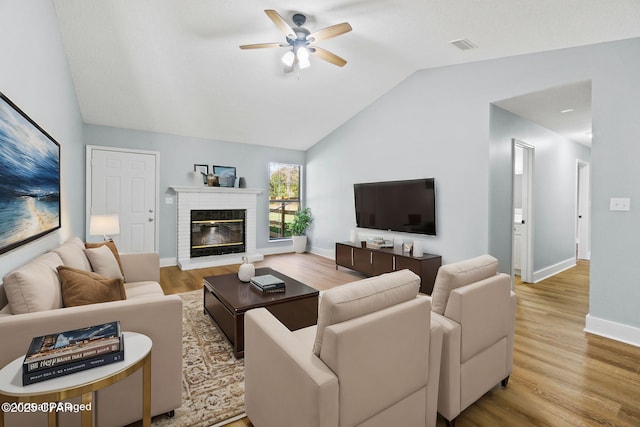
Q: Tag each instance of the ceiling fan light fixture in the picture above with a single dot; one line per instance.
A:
(299, 40)
(302, 54)
(288, 58)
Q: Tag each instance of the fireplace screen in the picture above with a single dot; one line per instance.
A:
(217, 232)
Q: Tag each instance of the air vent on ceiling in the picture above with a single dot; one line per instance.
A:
(464, 44)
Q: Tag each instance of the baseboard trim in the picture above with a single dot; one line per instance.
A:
(612, 330)
(326, 253)
(168, 262)
(552, 270)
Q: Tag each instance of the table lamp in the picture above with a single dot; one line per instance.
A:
(104, 225)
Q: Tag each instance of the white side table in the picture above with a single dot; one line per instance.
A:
(137, 354)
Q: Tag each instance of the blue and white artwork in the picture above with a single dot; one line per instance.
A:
(29, 179)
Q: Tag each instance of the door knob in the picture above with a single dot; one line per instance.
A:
(150, 219)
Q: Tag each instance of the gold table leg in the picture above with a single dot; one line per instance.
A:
(146, 392)
(52, 417)
(87, 413)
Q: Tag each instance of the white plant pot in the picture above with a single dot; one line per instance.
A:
(299, 244)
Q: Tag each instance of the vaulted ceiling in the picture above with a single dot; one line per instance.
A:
(174, 66)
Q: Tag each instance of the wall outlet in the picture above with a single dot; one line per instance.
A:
(620, 204)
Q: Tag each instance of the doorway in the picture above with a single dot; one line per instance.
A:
(522, 210)
(125, 182)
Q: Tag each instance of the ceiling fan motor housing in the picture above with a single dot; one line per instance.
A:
(299, 19)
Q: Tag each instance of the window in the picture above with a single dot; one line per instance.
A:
(284, 198)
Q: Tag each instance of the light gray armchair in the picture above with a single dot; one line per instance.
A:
(372, 360)
(476, 308)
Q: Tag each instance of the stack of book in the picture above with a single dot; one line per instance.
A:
(268, 284)
(63, 353)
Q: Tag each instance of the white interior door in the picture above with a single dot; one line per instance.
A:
(583, 224)
(125, 182)
(522, 234)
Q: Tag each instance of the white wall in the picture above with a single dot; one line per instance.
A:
(36, 77)
(420, 129)
(436, 123)
(178, 154)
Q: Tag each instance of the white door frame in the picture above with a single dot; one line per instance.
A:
(583, 209)
(526, 269)
(88, 183)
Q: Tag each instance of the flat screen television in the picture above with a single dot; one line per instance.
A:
(407, 206)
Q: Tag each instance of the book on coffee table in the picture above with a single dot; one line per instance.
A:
(268, 283)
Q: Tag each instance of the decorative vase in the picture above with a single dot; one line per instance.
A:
(417, 248)
(213, 180)
(246, 270)
(196, 179)
(299, 244)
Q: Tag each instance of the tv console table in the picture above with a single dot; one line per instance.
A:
(373, 262)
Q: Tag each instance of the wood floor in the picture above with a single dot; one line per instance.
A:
(562, 376)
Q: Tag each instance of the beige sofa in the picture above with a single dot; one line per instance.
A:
(33, 290)
(475, 306)
(372, 360)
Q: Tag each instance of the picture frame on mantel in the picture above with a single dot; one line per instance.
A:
(226, 175)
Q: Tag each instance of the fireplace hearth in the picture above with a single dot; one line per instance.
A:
(217, 232)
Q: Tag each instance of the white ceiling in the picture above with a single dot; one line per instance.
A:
(565, 110)
(174, 66)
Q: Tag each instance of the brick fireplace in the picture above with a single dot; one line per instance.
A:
(215, 199)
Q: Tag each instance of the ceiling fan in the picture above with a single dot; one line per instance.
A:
(301, 42)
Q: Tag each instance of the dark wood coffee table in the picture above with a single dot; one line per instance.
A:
(226, 299)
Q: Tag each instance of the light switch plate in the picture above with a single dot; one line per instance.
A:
(168, 200)
(620, 204)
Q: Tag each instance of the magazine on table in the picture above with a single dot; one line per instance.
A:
(268, 283)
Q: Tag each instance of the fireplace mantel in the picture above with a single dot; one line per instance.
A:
(195, 198)
(222, 190)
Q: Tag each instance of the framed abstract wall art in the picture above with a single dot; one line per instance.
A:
(29, 179)
(226, 175)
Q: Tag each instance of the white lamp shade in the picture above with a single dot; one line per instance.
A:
(303, 58)
(104, 225)
(288, 58)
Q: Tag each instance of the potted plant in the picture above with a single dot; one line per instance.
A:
(301, 220)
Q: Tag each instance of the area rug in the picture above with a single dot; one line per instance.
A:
(212, 378)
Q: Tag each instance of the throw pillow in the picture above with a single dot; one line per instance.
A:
(72, 254)
(363, 297)
(112, 247)
(104, 263)
(85, 287)
(34, 286)
(457, 274)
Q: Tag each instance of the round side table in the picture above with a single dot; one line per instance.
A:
(137, 355)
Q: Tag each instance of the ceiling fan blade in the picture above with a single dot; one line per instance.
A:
(328, 56)
(260, 45)
(329, 32)
(281, 23)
